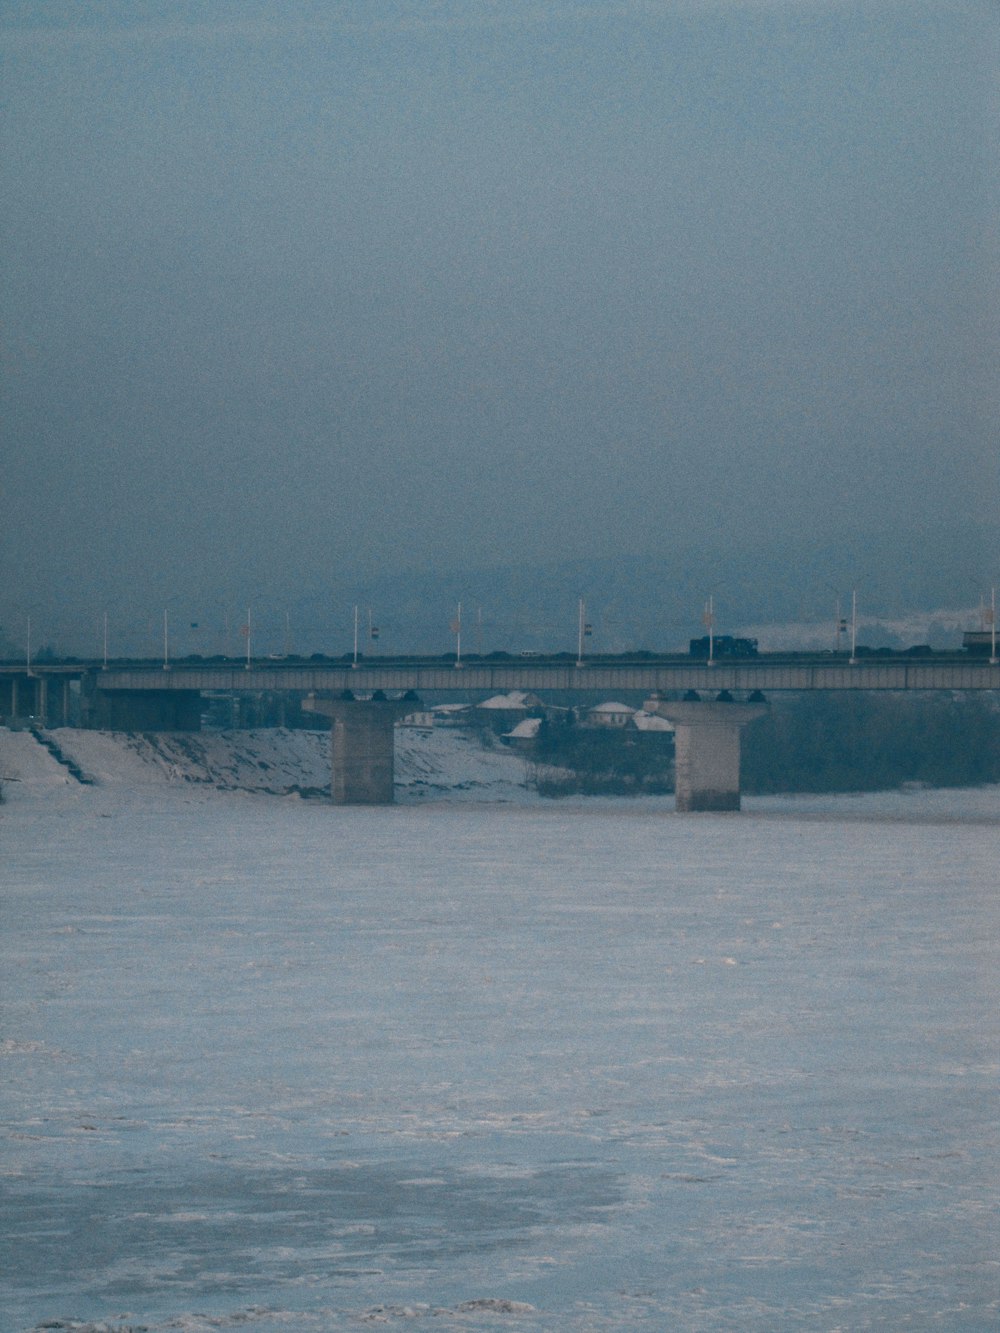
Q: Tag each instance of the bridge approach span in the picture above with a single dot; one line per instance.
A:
(708, 723)
(767, 674)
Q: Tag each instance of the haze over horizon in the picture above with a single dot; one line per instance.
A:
(304, 306)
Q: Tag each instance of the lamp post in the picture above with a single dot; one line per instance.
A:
(456, 628)
(840, 620)
(709, 620)
(854, 627)
(373, 629)
(169, 601)
(583, 631)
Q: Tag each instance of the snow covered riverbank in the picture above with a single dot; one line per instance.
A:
(585, 1065)
(429, 764)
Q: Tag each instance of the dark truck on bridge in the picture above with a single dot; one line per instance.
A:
(979, 642)
(723, 645)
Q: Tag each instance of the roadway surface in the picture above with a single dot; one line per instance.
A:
(768, 672)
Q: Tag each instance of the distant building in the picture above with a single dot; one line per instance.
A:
(451, 715)
(438, 715)
(503, 711)
(643, 721)
(524, 735)
(422, 719)
(609, 714)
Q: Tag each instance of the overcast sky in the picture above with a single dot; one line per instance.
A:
(299, 294)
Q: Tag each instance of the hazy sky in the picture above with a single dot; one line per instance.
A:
(300, 294)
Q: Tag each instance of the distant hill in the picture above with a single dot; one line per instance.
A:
(656, 601)
(636, 599)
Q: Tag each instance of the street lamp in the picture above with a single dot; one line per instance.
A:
(456, 629)
(709, 620)
(840, 621)
(166, 629)
(584, 631)
(854, 627)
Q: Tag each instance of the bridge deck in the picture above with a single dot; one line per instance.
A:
(746, 675)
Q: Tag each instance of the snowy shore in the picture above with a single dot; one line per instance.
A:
(430, 765)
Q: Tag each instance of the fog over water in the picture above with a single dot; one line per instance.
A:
(302, 300)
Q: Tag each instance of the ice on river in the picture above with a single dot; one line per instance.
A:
(586, 1065)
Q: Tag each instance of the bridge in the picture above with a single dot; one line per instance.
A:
(709, 703)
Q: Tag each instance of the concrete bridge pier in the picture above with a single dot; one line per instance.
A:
(362, 740)
(707, 749)
(23, 696)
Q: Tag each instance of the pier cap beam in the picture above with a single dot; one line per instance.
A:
(707, 750)
(362, 755)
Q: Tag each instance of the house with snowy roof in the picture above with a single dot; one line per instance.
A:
(524, 735)
(503, 711)
(610, 714)
(643, 721)
(438, 715)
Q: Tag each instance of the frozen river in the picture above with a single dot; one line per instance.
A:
(275, 1065)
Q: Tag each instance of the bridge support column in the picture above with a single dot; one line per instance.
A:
(27, 697)
(362, 747)
(707, 750)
